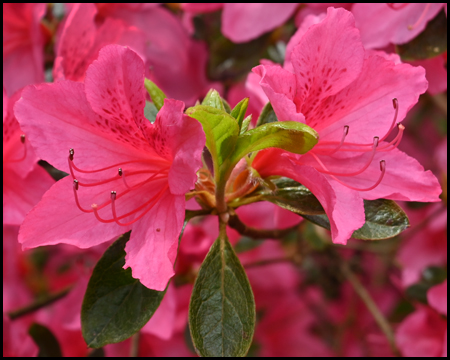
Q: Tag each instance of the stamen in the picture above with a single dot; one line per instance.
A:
(396, 142)
(116, 219)
(162, 171)
(326, 171)
(75, 188)
(394, 121)
(22, 140)
(422, 16)
(71, 153)
(153, 162)
(344, 135)
(383, 171)
(120, 171)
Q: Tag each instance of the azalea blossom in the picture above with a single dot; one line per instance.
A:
(23, 45)
(173, 61)
(125, 173)
(354, 99)
(242, 22)
(384, 23)
(24, 181)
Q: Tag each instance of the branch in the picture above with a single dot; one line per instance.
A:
(245, 230)
(371, 306)
(38, 304)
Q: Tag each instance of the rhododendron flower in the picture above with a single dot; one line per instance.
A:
(424, 332)
(242, 22)
(24, 181)
(381, 24)
(353, 99)
(23, 45)
(173, 61)
(125, 173)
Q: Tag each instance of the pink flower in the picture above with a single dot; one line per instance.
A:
(23, 45)
(424, 332)
(245, 22)
(346, 94)
(16, 341)
(126, 173)
(24, 181)
(381, 24)
(173, 60)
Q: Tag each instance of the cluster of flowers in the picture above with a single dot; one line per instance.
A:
(340, 75)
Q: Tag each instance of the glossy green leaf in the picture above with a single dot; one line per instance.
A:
(429, 43)
(245, 124)
(239, 110)
(155, 93)
(222, 308)
(221, 130)
(267, 115)
(384, 220)
(214, 100)
(150, 111)
(291, 136)
(293, 196)
(45, 340)
(115, 305)
(226, 105)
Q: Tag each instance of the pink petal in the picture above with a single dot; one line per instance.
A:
(16, 340)
(295, 39)
(71, 123)
(327, 59)
(366, 104)
(421, 334)
(68, 224)
(244, 22)
(21, 194)
(437, 298)
(23, 45)
(405, 179)
(436, 72)
(381, 25)
(182, 139)
(343, 206)
(114, 85)
(200, 8)
(152, 248)
(279, 86)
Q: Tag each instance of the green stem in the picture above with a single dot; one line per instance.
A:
(371, 306)
(38, 304)
(245, 230)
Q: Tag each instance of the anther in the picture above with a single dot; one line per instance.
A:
(382, 165)
(120, 172)
(113, 195)
(395, 103)
(22, 138)
(75, 184)
(71, 153)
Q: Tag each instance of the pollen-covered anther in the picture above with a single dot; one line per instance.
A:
(71, 153)
(113, 195)
(75, 184)
(120, 171)
(22, 138)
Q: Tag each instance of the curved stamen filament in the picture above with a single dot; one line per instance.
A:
(394, 121)
(383, 171)
(145, 161)
(326, 171)
(422, 16)
(152, 202)
(344, 135)
(22, 158)
(396, 142)
(122, 174)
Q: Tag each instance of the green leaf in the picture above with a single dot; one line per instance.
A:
(150, 111)
(239, 111)
(267, 115)
(292, 136)
(293, 196)
(45, 340)
(226, 105)
(245, 124)
(221, 130)
(155, 93)
(384, 220)
(222, 308)
(429, 43)
(214, 100)
(115, 305)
